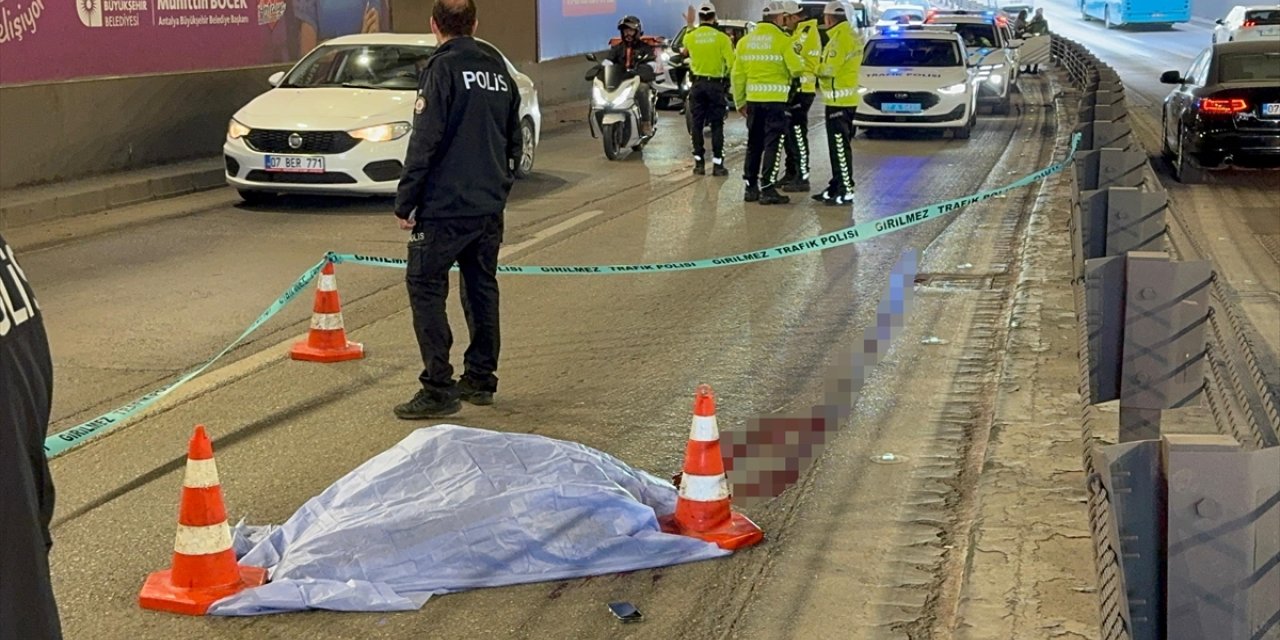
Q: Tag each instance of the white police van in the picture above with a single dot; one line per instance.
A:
(992, 50)
(916, 76)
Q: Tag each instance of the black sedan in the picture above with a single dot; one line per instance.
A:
(1225, 109)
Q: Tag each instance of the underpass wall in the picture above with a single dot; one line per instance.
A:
(56, 131)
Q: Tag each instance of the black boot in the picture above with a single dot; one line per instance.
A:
(427, 404)
(718, 170)
(752, 193)
(771, 196)
(470, 392)
(699, 168)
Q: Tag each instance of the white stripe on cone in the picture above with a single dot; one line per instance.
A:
(201, 474)
(327, 283)
(704, 429)
(202, 541)
(704, 488)
(326, 321)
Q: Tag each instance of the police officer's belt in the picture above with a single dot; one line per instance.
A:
(697, 78)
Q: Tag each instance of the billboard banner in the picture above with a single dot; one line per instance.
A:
(572, 27)
(52, 40)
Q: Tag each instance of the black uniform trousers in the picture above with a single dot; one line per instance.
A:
(473, 243)
(840, 132)
(708, 104)
(797, 144)
(766, 125)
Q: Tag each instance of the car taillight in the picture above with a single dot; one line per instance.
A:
(1249, 23)
(1221, 107)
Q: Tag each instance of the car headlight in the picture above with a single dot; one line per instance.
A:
(990, 67)
(235, 130)
(995, 79)
(953, 89)
(862, 90)
(382, 132)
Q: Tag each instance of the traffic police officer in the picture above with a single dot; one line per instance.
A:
(807, 42)
(838, 80)
(761, 82)
(458, 173)
(711, 60)
(27, 607)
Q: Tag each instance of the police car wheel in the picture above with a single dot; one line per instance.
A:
(528, 149)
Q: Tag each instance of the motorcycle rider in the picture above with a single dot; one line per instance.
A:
(761, 81)
(711, 59)
(636, 56)
(808, 45)
(838, 80)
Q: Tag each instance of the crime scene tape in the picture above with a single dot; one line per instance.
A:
(68, 439)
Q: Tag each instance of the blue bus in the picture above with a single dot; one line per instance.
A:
(1116, 13)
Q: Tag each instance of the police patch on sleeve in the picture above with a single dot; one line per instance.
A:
(420, 104)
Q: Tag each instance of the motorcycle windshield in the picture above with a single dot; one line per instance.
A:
(612, 76)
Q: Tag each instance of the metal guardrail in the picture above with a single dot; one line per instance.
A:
(1158, 334)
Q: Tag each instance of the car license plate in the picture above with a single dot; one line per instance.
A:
(1271, 109)
(900, 107)
(295, 164)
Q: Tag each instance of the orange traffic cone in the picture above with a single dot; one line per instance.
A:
(704, 508)
(327, 341)
(204, 564)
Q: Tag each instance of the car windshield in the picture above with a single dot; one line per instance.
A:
(894, 13)
(364, 66)
(911, 52)
(978, 35)
(1246, 67)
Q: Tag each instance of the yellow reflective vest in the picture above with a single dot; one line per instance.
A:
(766, 64)
(841, 63)
(807, 43)
(710, 52)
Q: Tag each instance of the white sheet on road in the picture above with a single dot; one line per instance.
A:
(453, 508)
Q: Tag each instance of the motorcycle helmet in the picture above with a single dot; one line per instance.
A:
(631, 22)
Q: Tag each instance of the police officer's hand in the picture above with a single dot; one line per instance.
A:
(405, 225)
(743, 110)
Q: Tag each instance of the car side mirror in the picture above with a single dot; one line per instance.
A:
(1220, 21)
(1171, 77)
(276, 78)
(591, 57)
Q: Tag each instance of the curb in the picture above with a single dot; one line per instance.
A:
(25, 206)
(32, 205)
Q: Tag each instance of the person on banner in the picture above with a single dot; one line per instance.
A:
(711, 60)
(838, 80)
(761, 84)
(637, 57)
(458, 173)
(27, 606)
(807, 41)
(321, 20)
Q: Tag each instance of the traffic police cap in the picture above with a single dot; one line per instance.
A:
(706, 8)
(834, 8)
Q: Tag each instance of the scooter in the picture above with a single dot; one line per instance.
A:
(615, 112)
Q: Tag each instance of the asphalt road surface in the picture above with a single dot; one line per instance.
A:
(609, 361)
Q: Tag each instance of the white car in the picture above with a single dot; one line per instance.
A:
(1256, 22)
(339, 120)
(916, 77)
(991, 49)
(897, 13)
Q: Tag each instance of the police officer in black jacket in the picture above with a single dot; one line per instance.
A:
(27, 607)
(458, 173)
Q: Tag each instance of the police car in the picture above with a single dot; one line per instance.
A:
(339, 120)
(916, 76)
(991, 47)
